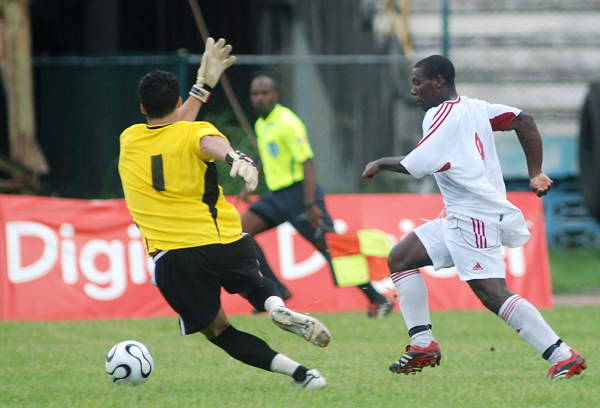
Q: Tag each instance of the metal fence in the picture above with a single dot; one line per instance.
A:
(538, 55)
(350, 105)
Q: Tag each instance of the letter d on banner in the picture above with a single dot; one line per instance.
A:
(17, 273)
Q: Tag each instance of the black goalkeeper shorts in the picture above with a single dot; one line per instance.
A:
(190, 279)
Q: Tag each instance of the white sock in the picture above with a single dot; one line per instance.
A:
(422, 339)
(412, 294)
(531, 326)
(272, 302)
(284, 365)
(561, 353)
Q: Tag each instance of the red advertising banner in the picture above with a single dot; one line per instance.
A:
(84, 259)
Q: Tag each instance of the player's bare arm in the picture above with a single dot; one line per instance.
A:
(215, 147)
(385, 163)
(310, 184)
(215, 60)
(531, 141)
(189, 110)
(218, 148)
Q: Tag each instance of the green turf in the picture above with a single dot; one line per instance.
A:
(485, 364)
(575, 271)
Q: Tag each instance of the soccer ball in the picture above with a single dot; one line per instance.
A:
(129, 362)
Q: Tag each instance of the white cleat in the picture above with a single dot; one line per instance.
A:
(301, 325)
(313, 379)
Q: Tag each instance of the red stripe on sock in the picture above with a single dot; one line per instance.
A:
(398, 276)
(510, 308)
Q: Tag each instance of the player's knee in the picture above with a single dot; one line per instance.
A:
(397, 263)
(491, 296)
(488, 302)
(216, 327)
(392, 264)
(408, 254)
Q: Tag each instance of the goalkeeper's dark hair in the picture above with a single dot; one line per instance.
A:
(437, 65)
(158, 91)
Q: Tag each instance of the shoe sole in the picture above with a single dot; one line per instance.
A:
(312, 382)
(575, 368)
(431, 359)
(307, 327)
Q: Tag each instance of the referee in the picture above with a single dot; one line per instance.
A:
(294, 194)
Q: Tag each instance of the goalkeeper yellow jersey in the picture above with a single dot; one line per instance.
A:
(283, 146)
(171, 187)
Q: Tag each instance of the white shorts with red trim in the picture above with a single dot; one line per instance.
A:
(470, 245)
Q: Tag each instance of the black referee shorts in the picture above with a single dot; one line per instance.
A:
(287, 204)
(190, 279)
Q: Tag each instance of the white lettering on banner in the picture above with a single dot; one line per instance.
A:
(406, 226)
(68, 254)
(17, 273)
(515, 259)
(102, 285)
(114, 276)
(287, 259)
(340, 226)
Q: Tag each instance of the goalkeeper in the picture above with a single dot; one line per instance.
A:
(194, 236)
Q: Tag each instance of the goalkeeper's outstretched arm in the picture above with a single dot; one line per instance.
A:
(215, 60)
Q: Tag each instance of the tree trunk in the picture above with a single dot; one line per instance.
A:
(15, 59)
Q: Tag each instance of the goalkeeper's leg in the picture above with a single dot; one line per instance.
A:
(266, 298)
(256, 352)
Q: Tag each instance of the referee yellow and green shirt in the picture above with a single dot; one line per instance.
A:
(171, 187)
(283, 146)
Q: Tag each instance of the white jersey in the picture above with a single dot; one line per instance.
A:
(458, 149)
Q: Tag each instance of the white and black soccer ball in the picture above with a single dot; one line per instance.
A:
(129, 362)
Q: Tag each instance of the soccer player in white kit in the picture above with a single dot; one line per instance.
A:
(458, 149)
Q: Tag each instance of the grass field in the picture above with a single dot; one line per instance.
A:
(575, 271)
(59, 364)
(485, 364)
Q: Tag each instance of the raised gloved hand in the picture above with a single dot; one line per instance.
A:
(215, 60)
(243, 166)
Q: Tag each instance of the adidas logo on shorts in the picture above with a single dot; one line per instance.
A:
(477, 267)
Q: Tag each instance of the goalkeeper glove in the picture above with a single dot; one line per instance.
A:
(243, 166)
(214, 61)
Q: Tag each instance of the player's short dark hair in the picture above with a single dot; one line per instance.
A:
(158, 91)
(274, 82)
(436, 65)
